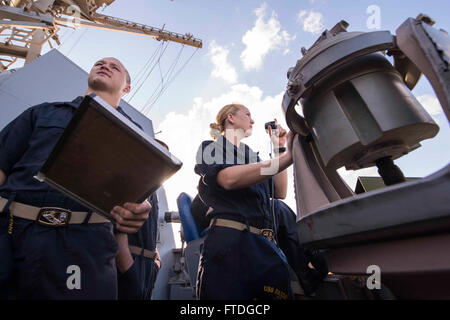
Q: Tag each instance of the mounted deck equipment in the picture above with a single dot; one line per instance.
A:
(358, 112)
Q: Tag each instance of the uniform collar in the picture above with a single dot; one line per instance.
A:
(74, 103)
(77, 101)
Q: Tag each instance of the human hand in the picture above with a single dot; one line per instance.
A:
(157, 259)
(278, 137)
(131, 216)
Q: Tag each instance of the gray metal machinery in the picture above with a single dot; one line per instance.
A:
(27, 25)
(358, 112)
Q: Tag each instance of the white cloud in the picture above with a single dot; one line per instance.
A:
(351, 177)
(183, 132)
(222, 69)
(265, 36)
(311, 21)
(431, 104)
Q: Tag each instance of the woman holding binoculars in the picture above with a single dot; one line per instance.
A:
(241, 256)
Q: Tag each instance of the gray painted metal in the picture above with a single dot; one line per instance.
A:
(355, 103)
(403, 229)
(412, 268)
(53, 77)
(413, 39)
(407, 209)
(364, 112)
(440, 40)
(402, 210)
(332, 50)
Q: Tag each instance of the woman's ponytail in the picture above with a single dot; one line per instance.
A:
(215, 130)
(218, 127)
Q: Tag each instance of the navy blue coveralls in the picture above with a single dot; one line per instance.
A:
(237, 265)
(138, 281)
(41, 255)
(297, 256)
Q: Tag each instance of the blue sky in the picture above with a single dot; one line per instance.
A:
(247, 48)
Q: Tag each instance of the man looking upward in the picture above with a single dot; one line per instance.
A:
(76, 260)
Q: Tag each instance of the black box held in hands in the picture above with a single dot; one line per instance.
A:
(102, 159)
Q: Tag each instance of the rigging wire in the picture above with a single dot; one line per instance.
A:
(172, 68)
(160, 73)
(141, 74)
(149, 73)
(169, 72)
(143, 70)
(168, 76)
(77, 41)
(149, 105)
(66, 38)
(66, 31)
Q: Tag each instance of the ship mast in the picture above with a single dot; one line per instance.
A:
(27, 25)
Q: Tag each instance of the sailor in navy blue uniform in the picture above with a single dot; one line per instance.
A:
(138, 261)
(288, 241)
(240, 259)
(53, 257)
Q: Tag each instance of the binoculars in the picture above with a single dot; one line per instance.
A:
(272, 124)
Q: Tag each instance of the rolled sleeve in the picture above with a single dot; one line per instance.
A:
(14, 140)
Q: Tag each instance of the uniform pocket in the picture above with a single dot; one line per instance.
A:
(51, 123)
(45, 135)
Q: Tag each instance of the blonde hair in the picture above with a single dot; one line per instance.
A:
(218, 127)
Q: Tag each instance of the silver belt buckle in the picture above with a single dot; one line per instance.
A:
(54, 217)
(268, 233)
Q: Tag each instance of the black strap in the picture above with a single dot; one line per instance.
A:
(9, 217)
(88, 217)
(272, 211)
